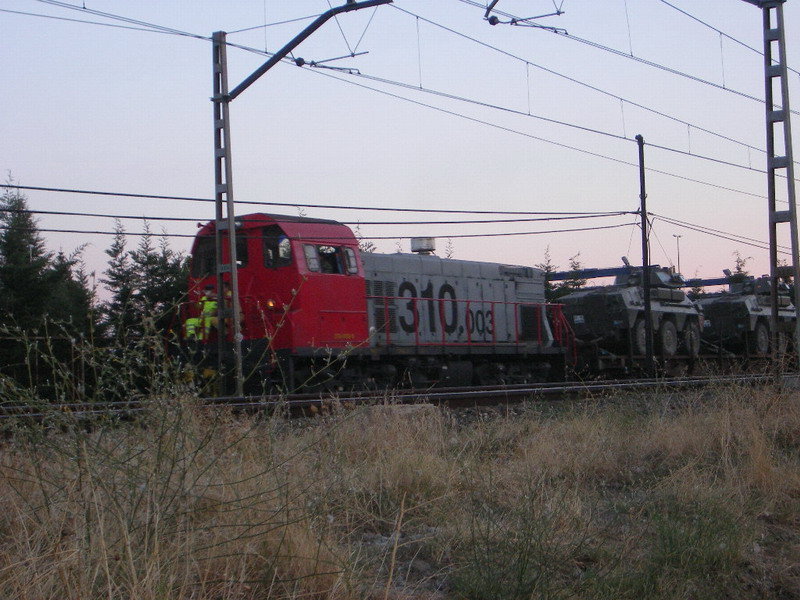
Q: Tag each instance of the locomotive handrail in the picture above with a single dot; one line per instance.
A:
(539, 324)
(563, 331)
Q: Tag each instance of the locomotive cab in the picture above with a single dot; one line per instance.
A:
(289, 267)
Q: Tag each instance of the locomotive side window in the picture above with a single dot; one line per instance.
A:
(330, 259)
(205, 257)
(350, 259)
(277, 248)
(204, 261)
(312, 258)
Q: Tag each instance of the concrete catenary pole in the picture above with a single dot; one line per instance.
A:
(648, 313)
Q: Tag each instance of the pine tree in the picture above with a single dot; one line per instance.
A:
(548, 267)
(24, 263)
(449, 249)
(45, 302)
(144, 262)
(71, 300)
(119, 313)
(740, 273)
(163, 282)
(162, 276)
(575, 281)
(148, 282)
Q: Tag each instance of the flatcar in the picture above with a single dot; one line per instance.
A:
(319, 313)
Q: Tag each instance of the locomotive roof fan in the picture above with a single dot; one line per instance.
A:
(423, 245)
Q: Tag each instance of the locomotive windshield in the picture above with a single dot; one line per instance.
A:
(204, 258)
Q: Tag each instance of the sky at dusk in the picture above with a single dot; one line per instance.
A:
(444, 111)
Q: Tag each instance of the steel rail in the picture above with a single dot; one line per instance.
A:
(452, 397)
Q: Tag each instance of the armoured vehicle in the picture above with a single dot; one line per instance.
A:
(738, 319)
(612, 316)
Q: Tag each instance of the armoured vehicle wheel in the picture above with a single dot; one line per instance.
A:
(639, 337)
(759, 339)
(668, 338)
(691, 338)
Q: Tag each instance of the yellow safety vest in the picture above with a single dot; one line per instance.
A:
(208, 315)
(208, 306)
(192, 329)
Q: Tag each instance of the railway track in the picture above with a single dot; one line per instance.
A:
(308, 403)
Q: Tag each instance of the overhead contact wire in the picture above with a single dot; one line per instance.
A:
(543, 139)
(729, 237)
(295, 204)
(346, 221)
(101, 24)
(365, 237)
(720, 32)
(157, 28)
(580, 83)
(116, 17)
(641, 60)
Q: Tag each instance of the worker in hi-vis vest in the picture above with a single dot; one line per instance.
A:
(193, 329)
(208, 311)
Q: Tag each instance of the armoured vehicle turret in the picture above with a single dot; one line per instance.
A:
(612, 316)
(738, 319)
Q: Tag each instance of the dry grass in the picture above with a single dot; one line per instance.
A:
(697, 497)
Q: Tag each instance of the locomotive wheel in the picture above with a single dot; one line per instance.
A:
(639, 337)
(691, 338)
(668, 338)
(759, 339)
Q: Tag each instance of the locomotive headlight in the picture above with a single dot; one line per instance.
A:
(271, 304)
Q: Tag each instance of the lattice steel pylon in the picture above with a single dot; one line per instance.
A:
(779, 160)
(224, 221)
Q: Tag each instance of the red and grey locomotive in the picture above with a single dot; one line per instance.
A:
(316, 311)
